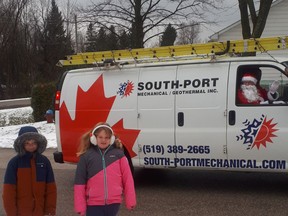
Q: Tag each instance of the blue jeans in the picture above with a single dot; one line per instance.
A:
(103, 210)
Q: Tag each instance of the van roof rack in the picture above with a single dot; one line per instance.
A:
(169, 53)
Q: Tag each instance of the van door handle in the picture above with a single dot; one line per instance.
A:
(232, 117)
(180, 119)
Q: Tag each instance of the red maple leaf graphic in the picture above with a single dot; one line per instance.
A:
(127, 136)
(91, 107)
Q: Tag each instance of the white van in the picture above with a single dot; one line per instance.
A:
(181, 114)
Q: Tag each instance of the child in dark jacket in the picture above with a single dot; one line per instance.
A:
(103, 175)
(29, 186)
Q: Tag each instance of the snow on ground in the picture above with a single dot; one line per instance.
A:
(9, 133)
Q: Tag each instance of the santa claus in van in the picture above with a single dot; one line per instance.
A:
(252, 93)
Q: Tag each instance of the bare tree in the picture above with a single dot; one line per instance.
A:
(21, 30)
(11, 14)
(188, 33)
(140, 18)
(258, 20)
(15, 46)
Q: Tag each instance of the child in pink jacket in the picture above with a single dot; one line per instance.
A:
(103, 175)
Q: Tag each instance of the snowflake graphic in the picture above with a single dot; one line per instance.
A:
(257, 133)
(125, 89)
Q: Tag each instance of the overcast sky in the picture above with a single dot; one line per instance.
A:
(228, 15)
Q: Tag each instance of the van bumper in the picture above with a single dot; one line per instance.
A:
(58, 157)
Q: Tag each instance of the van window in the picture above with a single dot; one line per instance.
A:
(261, 86)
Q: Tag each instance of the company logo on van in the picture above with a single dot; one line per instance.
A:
(125, 89)
(86, 118)
(178, 87)
(257, 133)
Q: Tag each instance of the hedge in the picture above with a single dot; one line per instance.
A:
(42, 99)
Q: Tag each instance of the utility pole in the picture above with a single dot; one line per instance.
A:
(67, 17)
(76, 34)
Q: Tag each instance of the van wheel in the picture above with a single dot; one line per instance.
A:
(129, 161)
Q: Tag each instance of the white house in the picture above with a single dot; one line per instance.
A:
(276, 25)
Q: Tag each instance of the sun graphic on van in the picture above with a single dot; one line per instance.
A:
(257, 133)
(125, 89)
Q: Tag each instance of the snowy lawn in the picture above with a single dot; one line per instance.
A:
(12, 119)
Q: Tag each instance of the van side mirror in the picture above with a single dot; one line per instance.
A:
(285, 93)
(286, 71)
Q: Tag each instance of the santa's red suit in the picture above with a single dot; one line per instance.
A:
(251, 94)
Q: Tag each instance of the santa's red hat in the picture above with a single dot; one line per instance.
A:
(249, 77)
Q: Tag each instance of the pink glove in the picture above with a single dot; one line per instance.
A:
(274, 86)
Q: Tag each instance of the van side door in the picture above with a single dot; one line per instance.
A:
(156, 115)
(200, 115)
(257, 133)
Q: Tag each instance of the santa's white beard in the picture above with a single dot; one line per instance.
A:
(251, 93)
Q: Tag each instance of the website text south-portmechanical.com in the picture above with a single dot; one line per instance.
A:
(215, 163)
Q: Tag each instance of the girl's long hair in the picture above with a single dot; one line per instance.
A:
(85, 143)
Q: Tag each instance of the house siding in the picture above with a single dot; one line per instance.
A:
(276, 24)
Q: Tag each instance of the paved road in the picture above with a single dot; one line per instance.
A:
(183, 192)
(15, 103)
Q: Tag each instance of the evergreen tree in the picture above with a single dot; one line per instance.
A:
(112, 39)
(169, 36)
(124, 40)
(55, 44)
(101, 40)
(91, 39)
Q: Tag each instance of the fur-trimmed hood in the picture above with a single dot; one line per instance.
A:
(29, 133)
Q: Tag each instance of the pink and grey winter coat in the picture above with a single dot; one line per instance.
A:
(102, 178)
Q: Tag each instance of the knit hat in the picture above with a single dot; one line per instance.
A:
(27, 129)
(49, 112)
(249, 77)
(29, 133)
